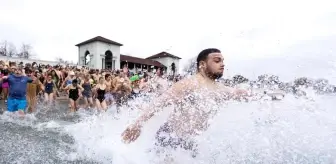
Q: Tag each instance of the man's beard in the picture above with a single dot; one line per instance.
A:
(214, 75)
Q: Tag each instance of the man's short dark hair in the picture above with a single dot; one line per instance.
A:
(203, 55)
(28, 70)
(107, 75)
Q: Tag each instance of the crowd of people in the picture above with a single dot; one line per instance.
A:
(194, 99)
(24, 85)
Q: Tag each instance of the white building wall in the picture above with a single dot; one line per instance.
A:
(97, 53)
(92, 48)
(103, 47)
(167, 61)
(163, 61)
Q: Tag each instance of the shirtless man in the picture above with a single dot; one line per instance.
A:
(158, 83)
(108, 95)
(122, 89)
(195, 100)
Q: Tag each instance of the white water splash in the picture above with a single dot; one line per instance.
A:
(289, 131)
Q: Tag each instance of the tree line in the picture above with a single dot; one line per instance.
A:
(9, 49)
(62, 61)
(25, 51)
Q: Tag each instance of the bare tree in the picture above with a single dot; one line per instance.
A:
(11, 50)
(26, 51)
(7, 49)
(3, 48)
(191, 66)
(60, 60)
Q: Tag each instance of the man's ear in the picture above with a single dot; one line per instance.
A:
(202, 64)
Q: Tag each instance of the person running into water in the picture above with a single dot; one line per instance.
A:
(87, 93)
(17, 91)
(56, 79)
(32, 91)
(100, 94)
(159, 83)
(122, 90)
(5, 85)
(190, 99)
(68, 80)
(74, 91)
(143, 85)
(108, 95)
(49, 88)
(41, 78)
(135, 85)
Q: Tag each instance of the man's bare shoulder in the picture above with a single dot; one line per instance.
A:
(189, 83)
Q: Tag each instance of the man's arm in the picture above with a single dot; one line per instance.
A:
(80, 88)
(67, 87)
(64, 82)
(40, 84)
(4, 78)
(233, 92)
(128, 88)
(30, 80)
(117, 87)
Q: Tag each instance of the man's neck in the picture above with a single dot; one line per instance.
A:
(205, 77)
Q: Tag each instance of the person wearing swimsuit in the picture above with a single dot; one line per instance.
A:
(49, 89)
(5, 85)
(74, 91)
(100, 96)
(68, 81)
(87, 93)
(56, 81)
(108, 95)
(122, 91)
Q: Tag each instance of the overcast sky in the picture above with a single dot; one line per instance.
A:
(240, 28)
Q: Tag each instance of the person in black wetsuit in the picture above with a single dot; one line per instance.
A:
(74, 91)
(100, 94)
(49, 85)
(87, 93)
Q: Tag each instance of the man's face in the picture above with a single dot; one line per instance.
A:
(16, 71)
(214, 65)
(158, 72)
